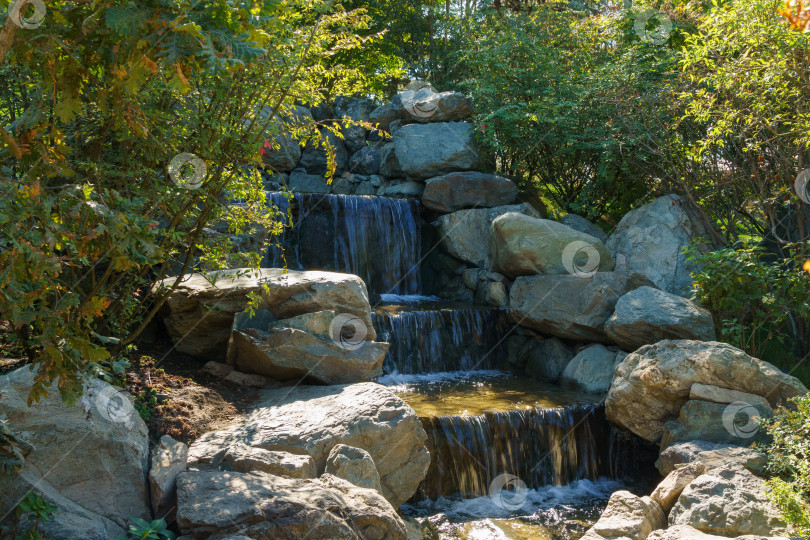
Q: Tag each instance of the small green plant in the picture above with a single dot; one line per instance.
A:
(145, 403)
(34, 507)
(789, 463)
(142, 529)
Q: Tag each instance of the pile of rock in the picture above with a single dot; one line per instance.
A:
(700, 401)
(421, 135)
(306, 324)
(309, 461)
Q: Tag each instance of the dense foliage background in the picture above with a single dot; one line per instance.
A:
(593, 107)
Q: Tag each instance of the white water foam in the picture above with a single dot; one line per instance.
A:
(579, 494)
(404, 382)
(407, 298)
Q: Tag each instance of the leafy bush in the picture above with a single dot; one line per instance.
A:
(95, 105)
(754, 299)
(566, 101)
(789, 462)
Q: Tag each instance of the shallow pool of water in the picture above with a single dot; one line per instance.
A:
(471, 393)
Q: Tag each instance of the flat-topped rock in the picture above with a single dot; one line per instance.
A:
(459, 190)
(313, 419)
(260, 505)
(426, 105)
(712, 455)
(199, 313)
(652, 384)
(648, 315)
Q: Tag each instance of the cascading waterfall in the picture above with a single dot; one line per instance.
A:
(433, 341)
(376, 238)
(540, 446)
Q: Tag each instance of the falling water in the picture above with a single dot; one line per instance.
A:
(443, 340)
(540, 446)
(376, 238)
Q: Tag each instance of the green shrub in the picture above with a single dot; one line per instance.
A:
(757, 302)
(789, 463)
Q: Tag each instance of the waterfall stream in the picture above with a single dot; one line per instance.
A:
(432, 341)
(376, 238)
(445, 361)
(540, 446)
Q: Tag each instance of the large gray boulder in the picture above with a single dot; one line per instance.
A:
(647, 315)
(591, 369)
(422, 105)
(521, 245)
(199, 313)
(548, 358)
(652, 384)
(315, 345)
(627, 517)
(428, 150)
(313, 419)
(71, 522)
(94, 454)
(365, 161)
(465, 234)
(301, 182)
(314, 157)
(569, 306)
(260, 505)
(240, 457)
(712, 455)
(459, 190)
(581, 224)
(729, 501)
(652, 239)
(426, 105)
(281, 153)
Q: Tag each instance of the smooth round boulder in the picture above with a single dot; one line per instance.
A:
(591, 369)
(521, 245)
